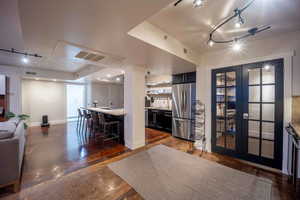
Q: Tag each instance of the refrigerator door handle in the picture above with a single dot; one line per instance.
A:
(181, 120)
(185, 100)
(182, 101)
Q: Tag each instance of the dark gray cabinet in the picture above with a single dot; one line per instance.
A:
(160, 119)
(184, 78)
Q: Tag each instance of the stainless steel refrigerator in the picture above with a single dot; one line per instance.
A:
(183, 123)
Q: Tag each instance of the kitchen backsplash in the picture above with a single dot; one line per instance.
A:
(162, 103)
(296, 110)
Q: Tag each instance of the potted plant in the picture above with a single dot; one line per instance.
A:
(22, 117)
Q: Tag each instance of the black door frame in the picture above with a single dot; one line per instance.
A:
(241, 125)
(238, 88)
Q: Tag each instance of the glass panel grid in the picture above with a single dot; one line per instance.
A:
(254, 76)
(254, 93)
(268, 93)
(268, 74)
(220, 79)
(226, 109)
(262, 109)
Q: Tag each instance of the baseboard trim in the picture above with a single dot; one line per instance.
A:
(54, 122)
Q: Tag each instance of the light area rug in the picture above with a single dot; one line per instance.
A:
(163, 173)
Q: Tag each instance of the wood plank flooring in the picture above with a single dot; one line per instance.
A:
(56, 151)
(59, 147)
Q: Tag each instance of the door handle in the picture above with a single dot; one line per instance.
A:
(245, 116)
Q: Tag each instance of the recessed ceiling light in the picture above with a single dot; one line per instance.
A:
(25, 60)
(118, 79)
(54, 80)
(108, 75)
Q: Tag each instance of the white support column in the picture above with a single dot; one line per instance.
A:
(134, 105)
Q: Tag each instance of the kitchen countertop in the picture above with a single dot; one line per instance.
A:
(114, 112)
(296, 127)
(157, 108)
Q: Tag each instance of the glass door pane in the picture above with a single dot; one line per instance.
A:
(261, 110)
(226, 110)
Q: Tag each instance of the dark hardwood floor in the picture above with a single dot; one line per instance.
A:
(58, 150)
(54, 157)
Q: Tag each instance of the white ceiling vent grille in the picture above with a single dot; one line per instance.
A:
(89, 56)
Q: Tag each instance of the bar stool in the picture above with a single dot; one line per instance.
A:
(86, 121)
(79, 119)
(95, 125)
(107, 128)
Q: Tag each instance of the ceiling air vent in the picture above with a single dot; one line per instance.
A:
(89, 56)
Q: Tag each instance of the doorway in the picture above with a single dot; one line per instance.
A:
(247, 112)
(75, 99)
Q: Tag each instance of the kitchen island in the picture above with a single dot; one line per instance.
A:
(108, 111)
(112, 114)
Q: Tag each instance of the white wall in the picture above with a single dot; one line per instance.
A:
(105, 93)
(44, 98)
(278, 47)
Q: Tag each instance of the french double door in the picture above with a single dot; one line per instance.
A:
(247, 112)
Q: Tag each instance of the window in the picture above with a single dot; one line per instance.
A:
(75, 99)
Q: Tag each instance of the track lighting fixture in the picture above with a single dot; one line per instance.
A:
(240, 20)
(236, 46)
(13, 51)
(211, 43)
(196, 3)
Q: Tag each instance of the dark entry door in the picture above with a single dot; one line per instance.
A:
(247, 112)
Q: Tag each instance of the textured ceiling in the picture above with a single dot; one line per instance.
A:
(38, 26)
(192, 26)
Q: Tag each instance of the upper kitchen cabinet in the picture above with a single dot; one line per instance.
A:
(296, 78)
(184, 78)
(2, 85)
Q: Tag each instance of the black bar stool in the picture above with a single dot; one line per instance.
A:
(79, 119)
(110, 129)
(86, 121)
(95, 125)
